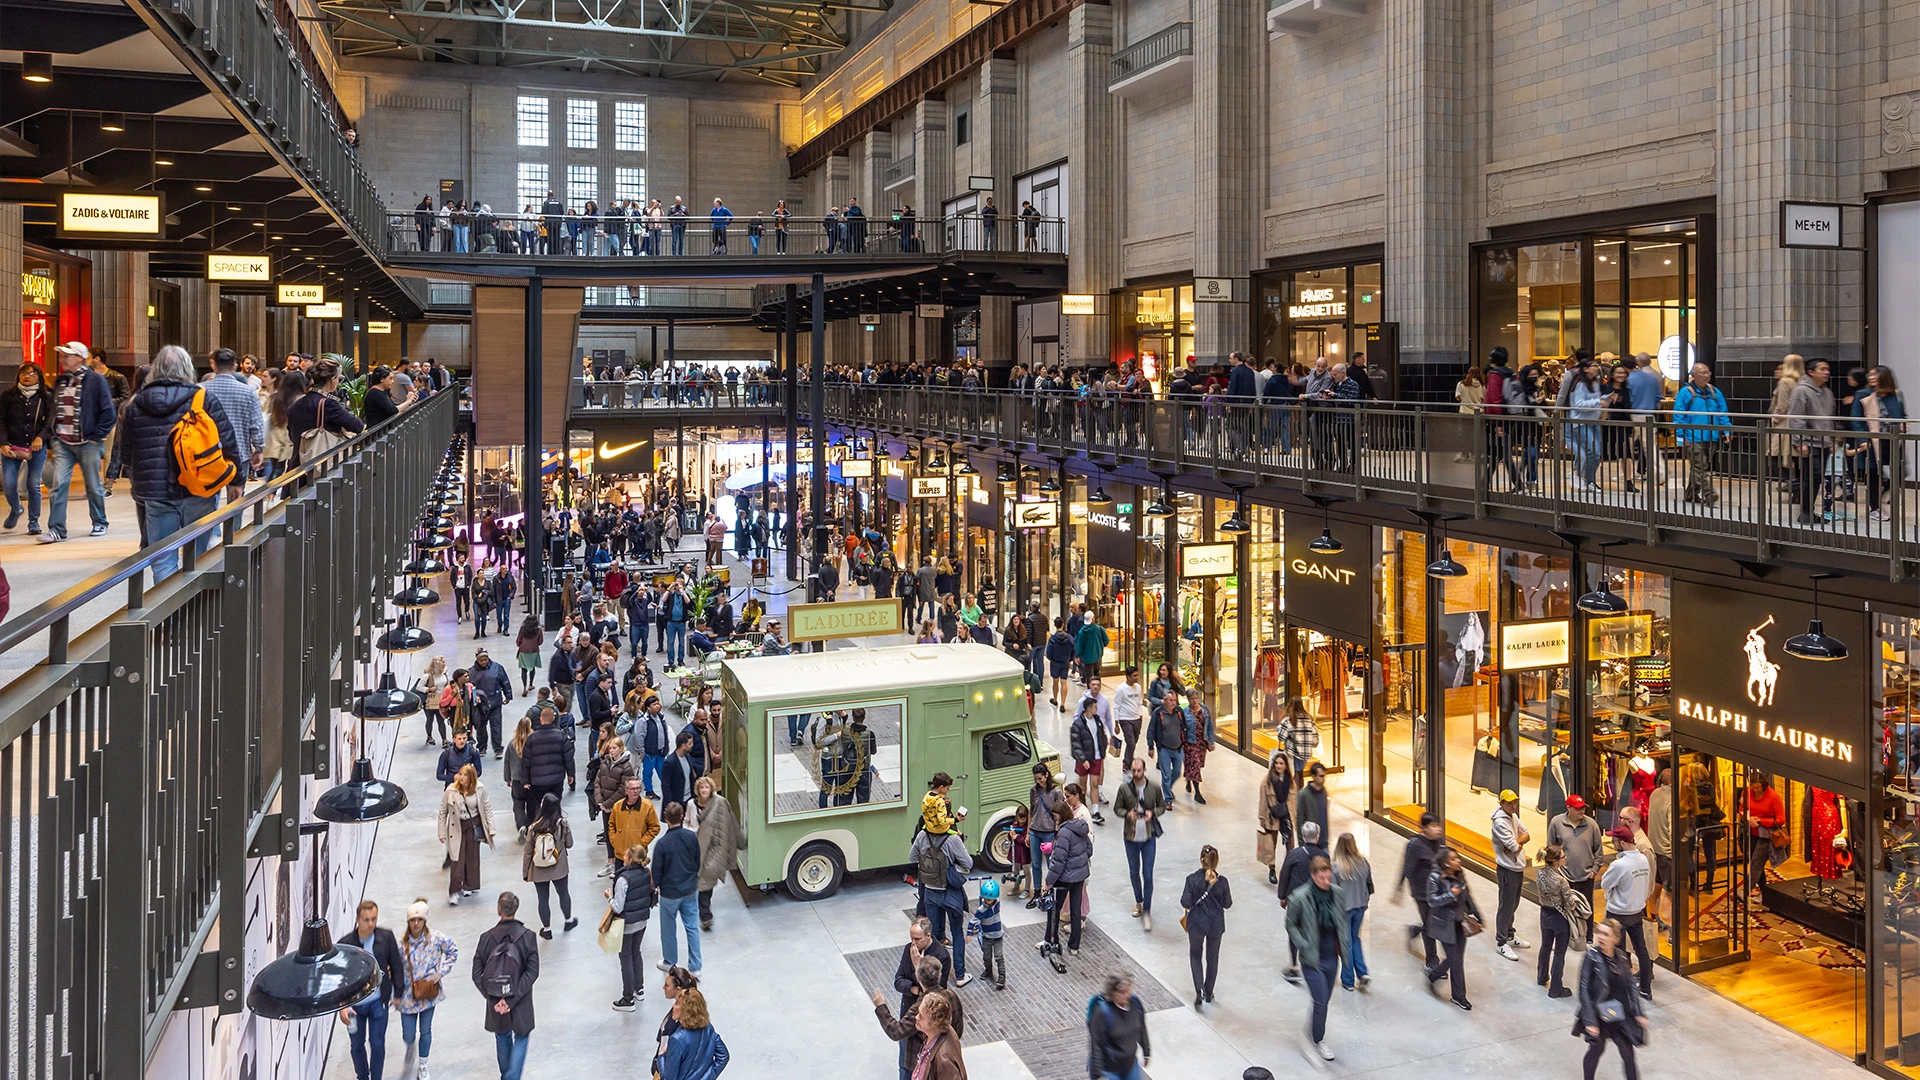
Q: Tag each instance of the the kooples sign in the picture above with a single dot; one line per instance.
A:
(1329, 592)
(1736, 690)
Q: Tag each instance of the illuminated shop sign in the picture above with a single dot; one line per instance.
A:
(929, 487)
(98, 214)
(1317, 304)
(1529, 646)
(228, 267)
(38, 288)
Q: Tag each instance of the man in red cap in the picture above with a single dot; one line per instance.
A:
(1576, 834)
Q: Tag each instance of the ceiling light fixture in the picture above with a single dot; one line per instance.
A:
(113, 121)
(36, 67)
(1325, 544)
(1815, 644)
(1602, 601)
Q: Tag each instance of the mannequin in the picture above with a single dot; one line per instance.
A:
(1644, 774)
(1827, 833)
(1553, 782)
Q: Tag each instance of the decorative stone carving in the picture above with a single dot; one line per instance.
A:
(1896, 125)
(1663, 169)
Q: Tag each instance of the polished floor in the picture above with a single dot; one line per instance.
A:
(786, 979)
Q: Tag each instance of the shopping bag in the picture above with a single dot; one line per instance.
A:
(612, 931)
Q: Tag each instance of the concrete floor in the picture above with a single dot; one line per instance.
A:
(785, 984)
(38, 572)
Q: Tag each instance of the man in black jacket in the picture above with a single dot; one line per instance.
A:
(506, 964)
(547, 759)
(920, 942)
(678, 773)
(83, 417)
(367, 1020)
(494, 688)
(1416, 868)
(455, 754)
(1295, 872)
(676, 870)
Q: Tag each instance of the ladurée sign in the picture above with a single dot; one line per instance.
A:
(1738, 692)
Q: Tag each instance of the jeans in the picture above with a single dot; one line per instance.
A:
(676, 647)
(1585, 442)
(1635, 925)
(10, 470)
(633, 969)
(685, 909)
(1035, 838)
(163, 518)
(1132, 1072)
(372, 1023)
(637, 636)
(540, 890)
(1170, 762)
(1555, 932)
(679, 239)
(1140, 869)
(754, 242)
(460, 234)
(949, 925)
(1509, 884)
(422, 1022)
(1320, 985)
(511, 1049)
(650, 768)
(65, 457)
(1203, 977)
(1354, 964)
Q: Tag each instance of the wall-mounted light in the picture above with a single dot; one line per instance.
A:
(113, 121)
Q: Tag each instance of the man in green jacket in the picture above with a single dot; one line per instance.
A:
(1090, 646)
(1317, 927)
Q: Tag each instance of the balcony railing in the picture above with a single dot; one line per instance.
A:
(412, 234)
(899, 171)
(680, 389)
(1741, 488)
(1144, 56)
(147, 759)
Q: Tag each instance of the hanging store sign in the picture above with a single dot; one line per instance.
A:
(1212, 290)
(38, 288)
(845, 619)
(324, 311)
(1810, 225)
(226, 267)
(1620, 637)
(1328, 591)
(300, 294)
(869, 319)
(1737, 691)
(1535, 644)
(856, 468)
(94, 213)
(931, 311)
(929, 487)
(1076, 304)
(376, 326)
(1206, 560)
(1038, 515)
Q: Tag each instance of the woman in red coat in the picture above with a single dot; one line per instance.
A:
(1765, 812)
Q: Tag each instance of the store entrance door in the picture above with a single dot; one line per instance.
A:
(1399, 766)
(1329, 676)
(1710, 865)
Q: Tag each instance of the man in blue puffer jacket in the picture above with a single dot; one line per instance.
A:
(165, 507)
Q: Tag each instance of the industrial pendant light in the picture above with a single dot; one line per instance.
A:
(388, 701)
(1445, 566)
(966, 467)
(1162, 505)
(436, 541)
(880, 450)
(405, 637)
(1325, 544)
(424, 564)
(1099, 497)
(1007, 475)
(1050, 486)
(319, 977)
(416, 596)
(1815, 644)
(1235, 525)
(1602, 601)
(438, 523)
(361, 799)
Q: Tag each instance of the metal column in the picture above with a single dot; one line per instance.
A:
(532, 577)
(793, 435)
(1066, 533)
(817, 422)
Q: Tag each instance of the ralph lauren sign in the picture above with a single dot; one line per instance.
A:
(1738, 692)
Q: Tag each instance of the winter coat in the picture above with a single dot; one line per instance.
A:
(26, 418)
(694, 1054)
(454, 806)
(548, 758)
(1311, 909)
(1206, 906)
(610, 779)
(562, 841)
(676, 863)
(719, 835)
(630, 825)
(97, 414)
(147, 441)
(1445, 910)
(514, 933)
(452, 759)
(1072, 858)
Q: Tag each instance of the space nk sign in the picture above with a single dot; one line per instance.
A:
(1810, 225)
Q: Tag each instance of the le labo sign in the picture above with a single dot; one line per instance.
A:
(1736, 690)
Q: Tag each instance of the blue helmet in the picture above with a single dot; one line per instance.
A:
(989, 890)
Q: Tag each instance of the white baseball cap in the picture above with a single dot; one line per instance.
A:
(74, 348)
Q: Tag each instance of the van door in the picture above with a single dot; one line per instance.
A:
(1005, 762)
(946, 723)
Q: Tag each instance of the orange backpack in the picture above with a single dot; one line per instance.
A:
(201, 465)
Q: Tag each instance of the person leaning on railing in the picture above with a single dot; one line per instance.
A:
(1699, 416)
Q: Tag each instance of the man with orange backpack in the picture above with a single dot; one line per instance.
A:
(182, 450)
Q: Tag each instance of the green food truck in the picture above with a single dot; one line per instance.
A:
(828, 756)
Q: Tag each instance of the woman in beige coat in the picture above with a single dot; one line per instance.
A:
(1785, 378)
(720, 842)
(466, 820)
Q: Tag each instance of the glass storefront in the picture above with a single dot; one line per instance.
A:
(1301, 315)
(1154, 326)
(1615, 292)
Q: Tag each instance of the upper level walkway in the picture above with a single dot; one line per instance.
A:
(1722, 490)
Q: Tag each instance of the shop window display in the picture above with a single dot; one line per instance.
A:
(1268, 685)
(1896, 875)
(1400, 767)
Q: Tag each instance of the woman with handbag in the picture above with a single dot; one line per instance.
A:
(433, 685)
(1206, 898)
(428, 957)
(1561, 909)
(318, 421)
(1273, 814)
(1452, 918)
(465, 822)
(1609, 1005)
(719, 834)
(630, 902)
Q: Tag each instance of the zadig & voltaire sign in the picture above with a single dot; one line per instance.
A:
(1737, 691)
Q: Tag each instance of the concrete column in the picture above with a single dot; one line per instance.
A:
(11, 243)
(199, 317)
(1225, 36)
(876, 153)
(932, 161)
(120, 307)
(996, 133)
(836, 185)
(1778, 120)
(282, 334)
(248, 334)
(1427, 219)
(1093, 223)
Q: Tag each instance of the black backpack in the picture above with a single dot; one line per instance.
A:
(501, 973)
(933, 862)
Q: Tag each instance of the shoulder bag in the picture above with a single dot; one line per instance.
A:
(317, 440)
(419, 989)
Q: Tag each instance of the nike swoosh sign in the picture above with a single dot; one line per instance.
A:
(615, 451)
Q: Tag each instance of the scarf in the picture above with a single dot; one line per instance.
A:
(1282, 788)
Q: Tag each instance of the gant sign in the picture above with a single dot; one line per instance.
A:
(1737, 692)
(1317, 569)
(1329, 591)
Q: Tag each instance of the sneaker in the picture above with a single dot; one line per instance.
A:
(1877, 515)
(1075, 953)
(1033, 901)
(1099, 818)
(605, 871)
(1292, 975)
(52, 536)
(33, 528)
(1146, 921)
(999, 986)
(625, 1004)
(1465, 1006)
(1325, 1054)
(12, 520)
(1520, 943)
(546, 933)
(1506, 950)
(422, 1074)
(962, 981)
(453, 900)
(1040, 945)
(98, 530)
(1364, 980)
(663, 966)
(1136, 911)
(1561, 992)
(570, 923)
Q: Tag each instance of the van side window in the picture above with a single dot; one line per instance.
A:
(1005, 749)
(844, 756)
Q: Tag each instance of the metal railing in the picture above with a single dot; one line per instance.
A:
(242, 45)
(670, 390)
(898, 172)
(503, 237)
(1150, 52)
(146, 759)
(1747, 486)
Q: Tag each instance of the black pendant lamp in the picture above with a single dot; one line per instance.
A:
(880, 450)
(387, 701)
(1099, 497)
(1162, 505)
(1050, 486)
(1008, 475)
(319, 977)
(1602, 601)
(424, 564)
(966, 467)
(362, 799)
(438, 523)
(1325, 544)
(416, 596)
(405, 637)
(1445, 566)
(1815, 644)
(1235, 525)
(436, 541)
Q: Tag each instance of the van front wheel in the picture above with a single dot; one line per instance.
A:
(816, 871)
(997, 853)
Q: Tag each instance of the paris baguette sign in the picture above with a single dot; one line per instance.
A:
(1736, 690)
